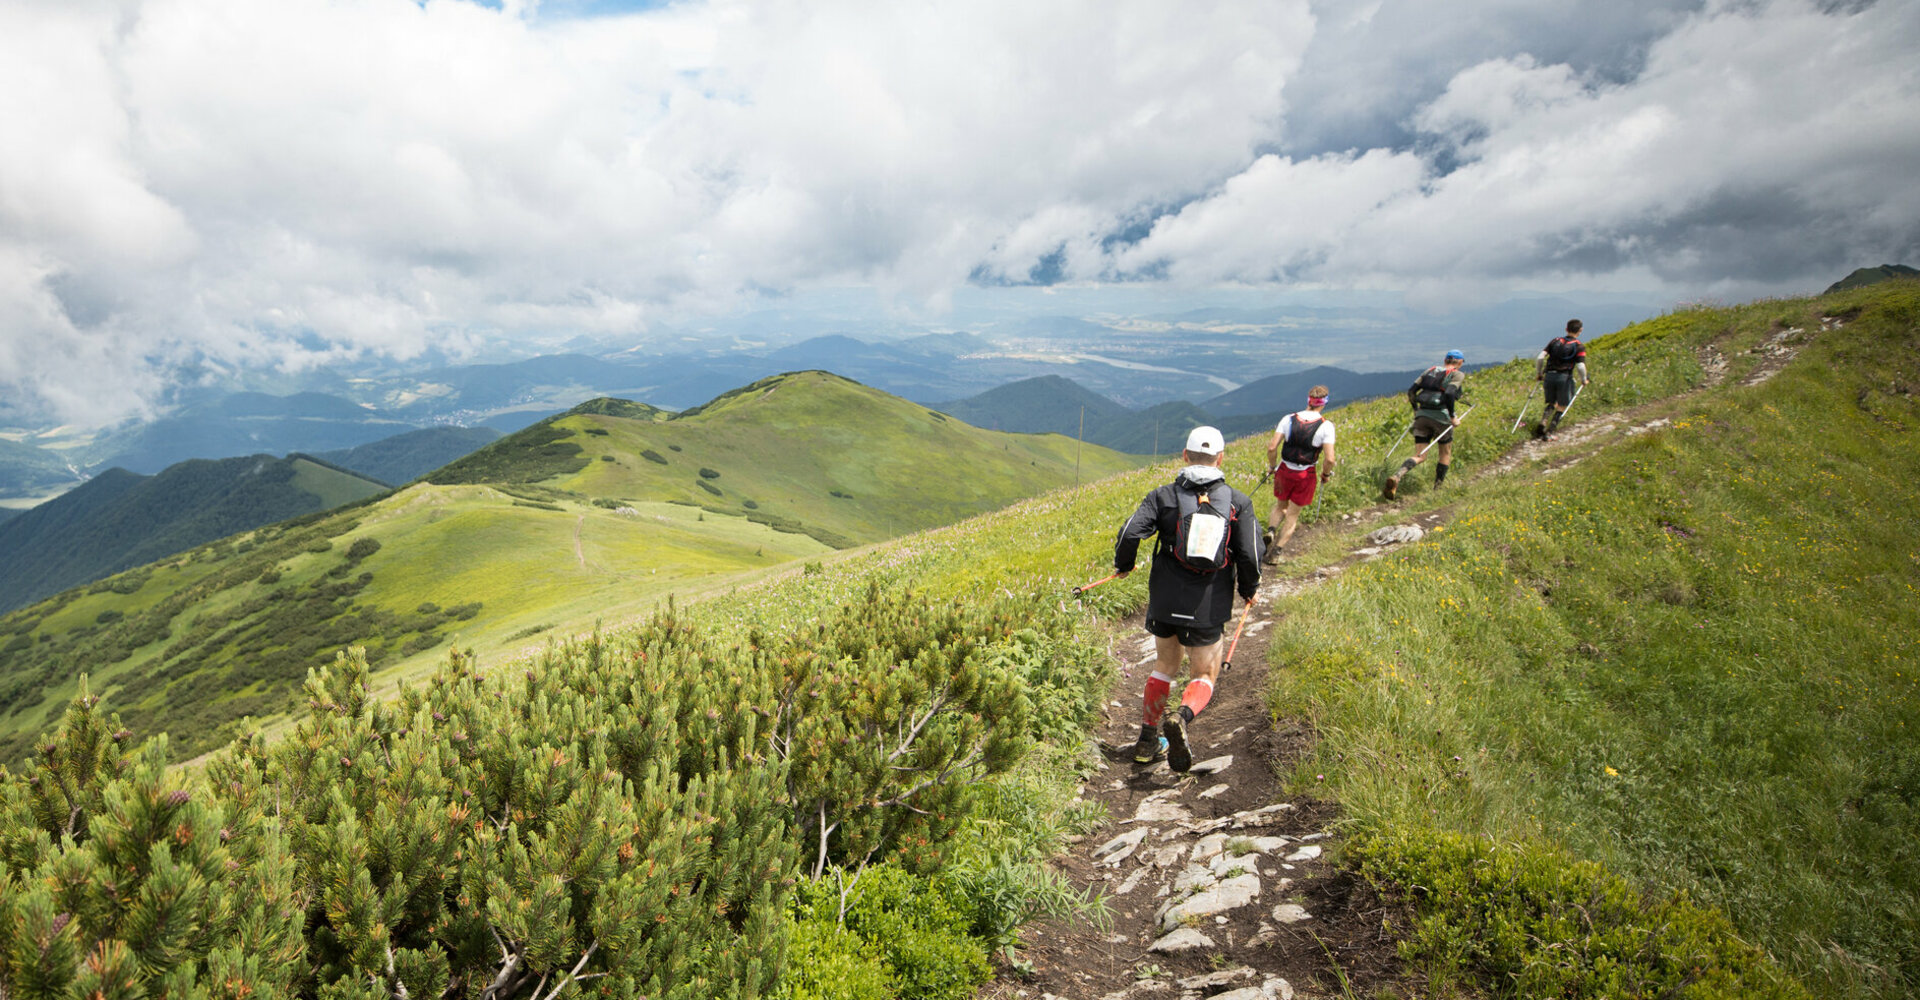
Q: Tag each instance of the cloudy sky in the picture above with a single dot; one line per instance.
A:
(284, 183)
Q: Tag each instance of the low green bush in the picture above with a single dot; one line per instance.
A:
(1531, 921)
(918, 927)
(825, 961)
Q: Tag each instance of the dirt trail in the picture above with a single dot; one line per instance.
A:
(1218, 884)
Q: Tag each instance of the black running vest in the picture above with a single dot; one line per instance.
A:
(1299, 447)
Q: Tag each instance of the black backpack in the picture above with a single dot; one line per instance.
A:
(1430, 390)
(1562, 354)
(1299, 447)
(1205, 527)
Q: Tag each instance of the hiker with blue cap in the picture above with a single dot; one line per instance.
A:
(1432, 396)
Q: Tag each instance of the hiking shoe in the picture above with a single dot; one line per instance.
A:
(1393, 486)
(1151, 747)
(1179, 755)
(1539, 432)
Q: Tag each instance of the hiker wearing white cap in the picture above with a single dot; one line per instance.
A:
(1209, 545)
(1432, 396)
(1302, 441)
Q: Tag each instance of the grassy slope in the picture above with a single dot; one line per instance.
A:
(1763, 753)
(1691, 657)
(790, 443)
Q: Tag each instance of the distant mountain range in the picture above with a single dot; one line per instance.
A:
(1054, 405)
(403, 458)
(120, 519)
(1188, 356)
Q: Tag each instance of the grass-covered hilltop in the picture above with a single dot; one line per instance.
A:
(1639, 722)
(598, 514)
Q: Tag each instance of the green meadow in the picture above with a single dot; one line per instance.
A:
(1690, 658)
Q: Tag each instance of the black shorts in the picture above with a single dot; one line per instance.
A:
(1189, 635)
(1559, 388)
(1426, 429)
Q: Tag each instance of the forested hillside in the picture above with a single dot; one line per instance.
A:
(404, 458)
(118, 519)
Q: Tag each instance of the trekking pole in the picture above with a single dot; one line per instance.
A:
(1244, 615)
(1387, 458)
(1524, 405)
(1083, 588)
(1443, 435)
(1576, 398)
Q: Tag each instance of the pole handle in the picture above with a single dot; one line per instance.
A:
(1083, 588)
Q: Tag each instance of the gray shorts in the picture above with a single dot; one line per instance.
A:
(1426, 429)
(1559, 388)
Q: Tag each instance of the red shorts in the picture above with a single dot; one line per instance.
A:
(1294, 487)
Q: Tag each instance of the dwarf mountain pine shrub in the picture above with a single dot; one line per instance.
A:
(626, 815)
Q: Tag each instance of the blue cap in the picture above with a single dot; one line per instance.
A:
(1456, 356)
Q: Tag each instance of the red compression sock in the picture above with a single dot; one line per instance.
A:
(1199, 691)
(1158, 686)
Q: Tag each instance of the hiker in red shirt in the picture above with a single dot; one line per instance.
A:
(1302, 441)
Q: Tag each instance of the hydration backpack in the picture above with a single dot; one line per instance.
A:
(1299, 447)
(1430, 390)
(1205, 528)
(1562, 354)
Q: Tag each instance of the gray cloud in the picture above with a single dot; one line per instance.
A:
(235, 185)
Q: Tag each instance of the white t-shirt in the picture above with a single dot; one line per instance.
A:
(1322, 436)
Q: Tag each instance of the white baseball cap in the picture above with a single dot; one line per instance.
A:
(1205, 441)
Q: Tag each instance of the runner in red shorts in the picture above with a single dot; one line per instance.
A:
(1302, 441)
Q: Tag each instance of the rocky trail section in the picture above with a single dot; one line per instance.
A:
(1216, 886)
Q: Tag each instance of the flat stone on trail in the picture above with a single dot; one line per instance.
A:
(1120, 848)
(1184, 939)
(1167, 857)
(1225, 863)
(1132, 882)
(1229, 895)
(1263, 816)
(1214, 980)
(1212, 765)
(1194, 877)
(1395, 534)
(1161, 807)
(1307, 853)
(1291, 913)
(1261, 992)
(1215, 790)
(1208, 847)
